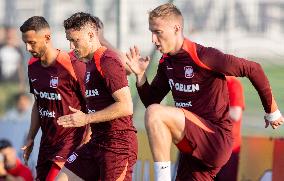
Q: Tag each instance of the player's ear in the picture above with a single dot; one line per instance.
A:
(91, 34)
(47, 37)
(177, 28)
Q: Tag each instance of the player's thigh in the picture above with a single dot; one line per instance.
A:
(172, 117)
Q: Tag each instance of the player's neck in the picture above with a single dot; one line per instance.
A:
(93, 51)
(178, 46)
(49, 57)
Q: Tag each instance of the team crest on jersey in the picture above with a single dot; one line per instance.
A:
(53, 82)
(72, 158)
(88, 75)
(188, 72)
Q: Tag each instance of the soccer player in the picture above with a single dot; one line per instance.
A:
(199, 123)
(112, 150)
(55, 80)
(237, 104)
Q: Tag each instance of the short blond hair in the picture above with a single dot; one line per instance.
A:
(165, 11)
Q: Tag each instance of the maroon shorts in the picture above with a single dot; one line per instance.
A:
(230, 170)
(211, 149)
(108, 160)
(42, 170)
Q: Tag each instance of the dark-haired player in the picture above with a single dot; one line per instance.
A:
(112, 150)
(56, 86)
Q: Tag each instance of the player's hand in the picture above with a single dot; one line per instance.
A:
(136, 63)
(77, 119)
(28, 148)
(274, 124)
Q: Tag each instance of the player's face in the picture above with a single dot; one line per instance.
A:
(36, 42)
(80, 42)
(10, 157)
(163, 35)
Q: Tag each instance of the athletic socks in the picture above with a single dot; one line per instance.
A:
(162, 171)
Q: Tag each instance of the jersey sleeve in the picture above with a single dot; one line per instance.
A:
(156, 91)
(114, 73)
(230, 65)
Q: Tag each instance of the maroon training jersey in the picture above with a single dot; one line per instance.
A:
(200, 86)
(55, 88)
(104, 75)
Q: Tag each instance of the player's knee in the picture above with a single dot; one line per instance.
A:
(152, 115)
(152, 110)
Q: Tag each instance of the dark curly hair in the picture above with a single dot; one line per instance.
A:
(35, 23)
(81, 19)
(4, 143)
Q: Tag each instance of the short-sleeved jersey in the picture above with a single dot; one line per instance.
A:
(55, 88)
(236, 97)
(196, 78)
(104, 75)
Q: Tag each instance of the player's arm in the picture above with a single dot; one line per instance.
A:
(159, 87)
(33, 130)
(120, 108)
(239, 67)
(87, 135)
(156, 91)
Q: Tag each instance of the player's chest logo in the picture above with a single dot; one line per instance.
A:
(188, 72)
(88, 75)
(53, 83)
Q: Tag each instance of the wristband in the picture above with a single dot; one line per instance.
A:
(273, 116)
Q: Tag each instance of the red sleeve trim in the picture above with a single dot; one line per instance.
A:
(72, 55)
(190, 47)
(32, 60)
(64, 59)
(163, 58)
(97, 58)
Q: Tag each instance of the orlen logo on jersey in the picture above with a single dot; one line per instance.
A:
(46, 113)
(183, 87)
(88, 75)
(53, 82)
(47, 95)
(188, 72)
(92, 93)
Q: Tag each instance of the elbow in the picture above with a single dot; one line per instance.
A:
(129, 109)
(257, 68)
